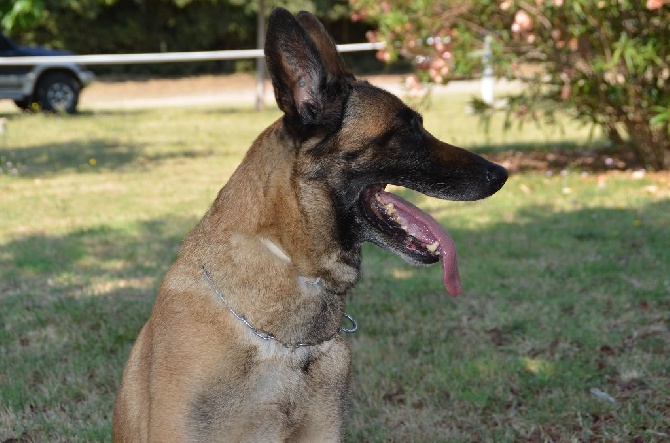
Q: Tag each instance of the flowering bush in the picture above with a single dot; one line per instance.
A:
(604, 61)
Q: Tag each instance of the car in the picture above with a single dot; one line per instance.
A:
(49, 87)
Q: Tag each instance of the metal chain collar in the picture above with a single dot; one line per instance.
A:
(269, 336)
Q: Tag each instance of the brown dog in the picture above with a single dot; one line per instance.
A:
(244, 341)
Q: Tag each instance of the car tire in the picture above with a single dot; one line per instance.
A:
(58, 92)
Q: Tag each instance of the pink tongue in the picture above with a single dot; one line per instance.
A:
(424, 228)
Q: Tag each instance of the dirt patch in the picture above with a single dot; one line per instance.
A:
(124, 92)
(557, 160)
(115, 87)
(120, 87)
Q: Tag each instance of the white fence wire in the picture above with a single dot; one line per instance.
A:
(166, 57)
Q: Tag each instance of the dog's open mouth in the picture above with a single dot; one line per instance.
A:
(413, 232)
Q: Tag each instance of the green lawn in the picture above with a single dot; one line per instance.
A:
(561, 333)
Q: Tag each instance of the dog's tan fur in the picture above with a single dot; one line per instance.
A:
(199, 374)
(192, 350)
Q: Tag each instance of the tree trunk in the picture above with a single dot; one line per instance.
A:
(651, 145)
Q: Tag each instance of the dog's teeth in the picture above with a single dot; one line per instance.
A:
(403, 227)
(390, 209)
(433, 246)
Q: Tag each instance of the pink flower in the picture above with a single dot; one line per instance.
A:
(656, 4)
(412, 82)
(522, 21)
(385, 6)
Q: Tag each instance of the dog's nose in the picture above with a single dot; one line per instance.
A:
(496, 177)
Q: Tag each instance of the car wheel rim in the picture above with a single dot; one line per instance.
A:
(60, 96)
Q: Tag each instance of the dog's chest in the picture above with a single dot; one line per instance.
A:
(274, 386)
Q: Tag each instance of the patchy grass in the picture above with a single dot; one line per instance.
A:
(561, 333)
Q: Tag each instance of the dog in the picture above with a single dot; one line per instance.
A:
(245, 341)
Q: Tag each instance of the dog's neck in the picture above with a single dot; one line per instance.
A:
(271, 337)
(269, 230)
(279, 205)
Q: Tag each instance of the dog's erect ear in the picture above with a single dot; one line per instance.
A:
(326, 46)
(310, 81)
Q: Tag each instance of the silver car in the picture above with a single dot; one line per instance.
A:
(52, 87)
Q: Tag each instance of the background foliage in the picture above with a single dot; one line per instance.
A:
(606, 61)
(133, 26)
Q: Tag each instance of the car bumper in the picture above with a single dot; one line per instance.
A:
(86, 78)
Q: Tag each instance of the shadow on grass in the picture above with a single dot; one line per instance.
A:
(204, 109)
(553, 306)
(84, 157)
(75, 156)
(72, 306)
(87, 113)
(578, 252)
(597, 156)
(573, 288)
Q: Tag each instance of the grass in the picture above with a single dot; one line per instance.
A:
(565, 308)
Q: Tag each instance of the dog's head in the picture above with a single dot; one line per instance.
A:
(354, 139)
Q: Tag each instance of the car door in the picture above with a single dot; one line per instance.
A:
(11, 77)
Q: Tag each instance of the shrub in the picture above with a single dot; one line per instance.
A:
(603, 61)
(136, 26)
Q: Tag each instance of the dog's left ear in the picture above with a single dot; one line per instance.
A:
(335, 66)
(311, 83)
